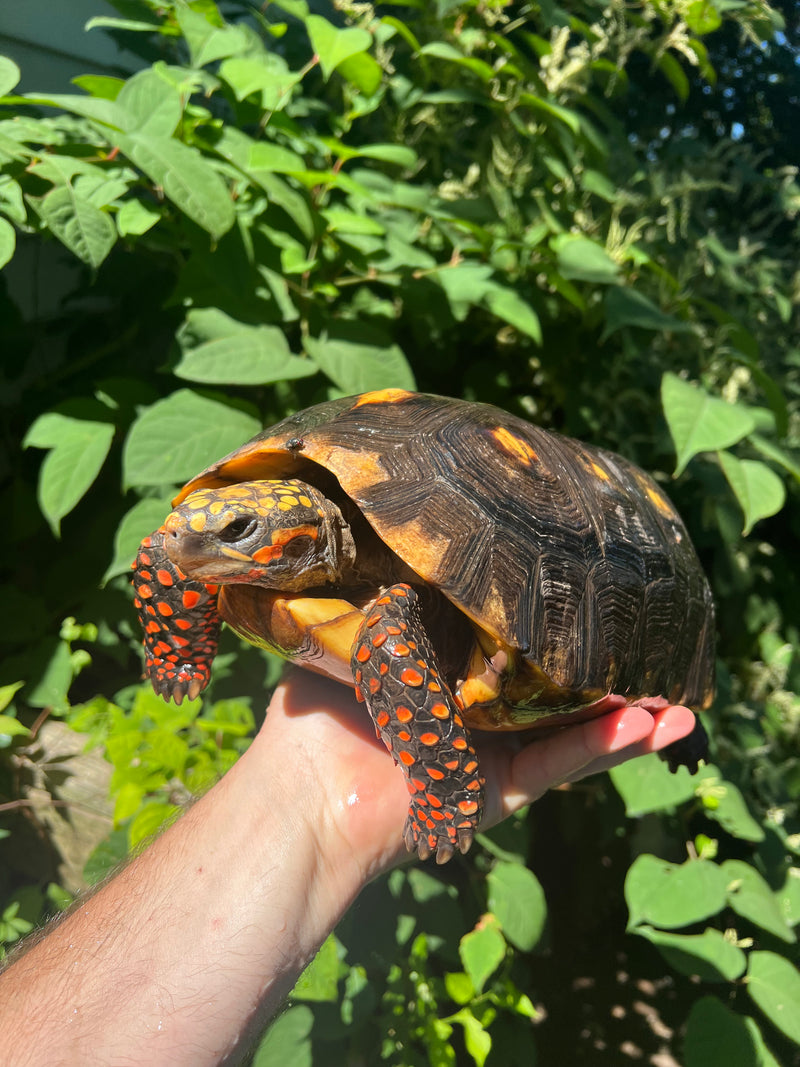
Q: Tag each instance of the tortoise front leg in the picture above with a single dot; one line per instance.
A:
(180, 622)
(417, 718)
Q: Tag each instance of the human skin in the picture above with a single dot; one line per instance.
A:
(184, 955)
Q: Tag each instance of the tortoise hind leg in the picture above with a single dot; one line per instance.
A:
(415, 714)
(688, 751)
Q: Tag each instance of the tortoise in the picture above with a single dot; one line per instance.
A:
(460, 567)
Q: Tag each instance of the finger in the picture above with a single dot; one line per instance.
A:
(670, 723)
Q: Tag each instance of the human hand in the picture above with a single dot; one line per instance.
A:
(365, 797)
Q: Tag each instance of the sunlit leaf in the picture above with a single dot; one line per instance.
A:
(699, 422)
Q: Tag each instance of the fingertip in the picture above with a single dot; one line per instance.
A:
(626, 727)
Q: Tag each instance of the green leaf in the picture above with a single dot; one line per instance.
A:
(106, 856)
(208, 42)
(135, 218)
(716, 1035)
(708, 956)
(187, 179)
(9, 75)
(699, 422)
(144, 517)
(9, 726)
(509, 305)
(788, 896)
(477, 1040)
(674, 73)
(646, 785)
(217, 349)
(702, 17)
(777, 455)
(78, 449)
(580, 259)
(482, 951)
(628, 307)
(83, 228)
(274, 158)
(266, 74)
(363, 72)
(729, 808)
(751, 897)
(333, 46)
(288, 1040)
(757, 487)
(774, 984)
(152, 105)
(466, 284)
(7, 693)
(517, 900)
(320, 980)
(670, 895)
(179, 436)
(149, 820)
(358, 366)
(8, 242)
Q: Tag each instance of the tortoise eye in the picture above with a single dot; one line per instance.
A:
(238, 530)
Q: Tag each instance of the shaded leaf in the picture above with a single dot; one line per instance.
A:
(670, 895)
(179, 436)
(699, 422)
(646, 785)
(774, 984)
(9, 75)
(627, 307)
(8, 242)
(580, 259)
(757, 487)
(751, 897)
(708, 956)
(517, 900)
(482, 951)
(715, 1034)
(83, 228)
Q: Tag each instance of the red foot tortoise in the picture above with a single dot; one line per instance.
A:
(459, 566)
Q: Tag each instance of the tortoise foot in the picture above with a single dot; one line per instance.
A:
(417, 718)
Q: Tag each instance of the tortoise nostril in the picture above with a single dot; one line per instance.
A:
(238, 530)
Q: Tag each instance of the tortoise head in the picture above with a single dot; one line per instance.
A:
(281, 534)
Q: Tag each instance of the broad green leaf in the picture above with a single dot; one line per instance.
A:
(144, 517)
(189, 181)
(149, 820)
(751, 897)
(774, 984)
(99, 85)
(363, 72)
(708, 956)
(580, 259)
(103, 111)
(274, 157)
(9, 75)
(288, 1040)
(729, 808)
(777, 455)
(12, 202)
(151, 104)
(135, 218)
(517, 900)
(509, 305)
(208, 42)
(646, 785)
(177, 437)
(459, 987)
(627, 307)
(106, 856)
(320, 980)
(789, 896)
(482, 951)
(670, 895)
(466, 284)
(716, 1035)
(702, 17)
(342, 221)
(86, 231)
(52, 681)
(757, 487)
(11, 727)
(333, 46)
(8, 242)
(7, 693)
(357, 366)
(264, 73)
(78, 449)
(699, 422)
(217, 349)
(477, 1039)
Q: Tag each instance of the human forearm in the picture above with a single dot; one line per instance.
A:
(192, 945)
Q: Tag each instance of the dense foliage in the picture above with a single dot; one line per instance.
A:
(584, 213)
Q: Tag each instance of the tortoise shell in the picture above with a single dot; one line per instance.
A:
(568, 556)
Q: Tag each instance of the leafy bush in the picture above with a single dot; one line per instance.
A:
(545, 208)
